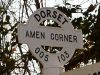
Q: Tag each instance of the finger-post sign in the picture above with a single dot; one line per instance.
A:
(35, 35)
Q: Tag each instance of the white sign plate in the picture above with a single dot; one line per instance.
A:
(35, 35)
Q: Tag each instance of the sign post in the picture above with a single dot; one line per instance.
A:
(35, 35)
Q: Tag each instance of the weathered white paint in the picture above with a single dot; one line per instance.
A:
(35, 35)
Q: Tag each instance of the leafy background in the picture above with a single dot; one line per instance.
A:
(15, 58)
